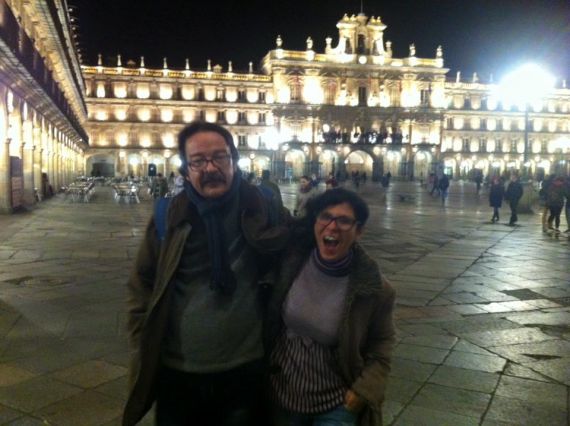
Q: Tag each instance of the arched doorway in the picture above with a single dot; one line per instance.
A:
(294, 163)
(464, 168)
(359, 161)
(422, 164)
(328, 160)
(260, 163)
(392, 163)
(101, 165)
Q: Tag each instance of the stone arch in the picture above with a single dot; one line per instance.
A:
(328, 160)
(260, 163)
(295, 163)
(422, 164)
(360, 161)
(100, 165)
(392, 162)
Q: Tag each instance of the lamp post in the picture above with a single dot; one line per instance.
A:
(525, 86)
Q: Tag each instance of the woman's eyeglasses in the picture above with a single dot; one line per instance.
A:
(344, 223)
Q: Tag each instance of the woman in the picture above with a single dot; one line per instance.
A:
(496, 195)
(330, 329)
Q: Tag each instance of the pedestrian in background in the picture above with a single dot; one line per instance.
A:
(555, 196)
(513, 195)
(496, 195)
(331, 182)
(306, 192)
(159, 187)
(543, 199)
(567, 211)
(443, 184)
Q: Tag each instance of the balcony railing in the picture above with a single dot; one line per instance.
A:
(15, 38)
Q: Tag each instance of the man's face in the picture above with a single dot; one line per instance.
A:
(212, 179)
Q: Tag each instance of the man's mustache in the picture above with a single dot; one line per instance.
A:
(212, 178)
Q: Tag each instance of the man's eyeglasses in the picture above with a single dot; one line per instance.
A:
(344, 223)
(218, 160)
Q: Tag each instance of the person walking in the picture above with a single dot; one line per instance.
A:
(306, 192)
(331, 182)
(330, 330)
(543, 198)
(195, 306)
(513, 195)
(567, 210)
(443, 187)
(159, 187)
(496, 195)
(555, 198)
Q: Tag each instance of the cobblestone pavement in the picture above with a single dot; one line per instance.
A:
(483, 310)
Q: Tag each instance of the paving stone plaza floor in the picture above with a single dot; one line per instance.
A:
(483, 311)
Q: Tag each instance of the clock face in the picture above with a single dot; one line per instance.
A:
(362, 60)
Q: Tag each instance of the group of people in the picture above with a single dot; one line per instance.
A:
(512, 194)
(241, 315)
(554, 194)
(161, 187)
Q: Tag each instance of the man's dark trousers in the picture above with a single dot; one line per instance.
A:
(232, 398)
(514, 218)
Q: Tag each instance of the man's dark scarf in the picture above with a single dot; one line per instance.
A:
(210, 210)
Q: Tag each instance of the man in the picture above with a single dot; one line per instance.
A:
(266, 182)
(159, 187)
(443, 183)
(513, 195)
(306, 192)
(194, 305)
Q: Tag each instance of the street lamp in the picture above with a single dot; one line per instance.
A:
(523, 87)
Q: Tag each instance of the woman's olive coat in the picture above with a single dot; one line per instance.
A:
(366, 333)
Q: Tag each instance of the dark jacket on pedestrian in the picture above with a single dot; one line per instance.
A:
(496, 194)
(366, 334)
(443, 183)
(556, 193)
(150, 288)
(514, 191)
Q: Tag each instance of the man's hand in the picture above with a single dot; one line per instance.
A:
(353, 402)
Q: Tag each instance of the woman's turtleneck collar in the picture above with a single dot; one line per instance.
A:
(336, 268)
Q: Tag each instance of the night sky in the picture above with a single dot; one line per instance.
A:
(487, 36)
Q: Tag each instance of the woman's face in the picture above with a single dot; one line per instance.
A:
(336, 231)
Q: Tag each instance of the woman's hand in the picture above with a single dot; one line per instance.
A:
(353, 402)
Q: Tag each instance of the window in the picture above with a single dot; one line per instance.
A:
(424, 97)
(467, 104)
(241, 96)
(220, 94)
(242, 117)
(362, 98)
(201, 94)
(261, 118)
(465, 144)
(295, 92)
(221, 117)
(202, 115)
(262, 97)
(449, 123)
(242, 140)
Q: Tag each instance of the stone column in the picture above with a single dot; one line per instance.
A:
(5, 184)
(37, 153)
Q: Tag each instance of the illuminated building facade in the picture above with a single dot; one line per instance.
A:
(42, 107)
(352, 107)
